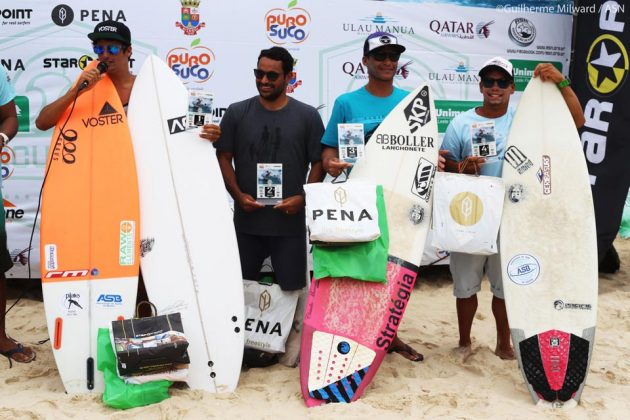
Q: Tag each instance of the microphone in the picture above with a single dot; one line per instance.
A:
(101, 68)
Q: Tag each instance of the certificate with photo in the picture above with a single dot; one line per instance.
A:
(199, 108)
(269, 183)
(482, 139)
(351, 142)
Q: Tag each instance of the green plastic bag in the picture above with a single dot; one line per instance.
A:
(624, 230)
(362, 261)
(119, 394)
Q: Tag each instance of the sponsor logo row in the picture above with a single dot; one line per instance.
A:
(290, 25)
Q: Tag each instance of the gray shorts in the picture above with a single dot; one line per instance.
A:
(468, 270)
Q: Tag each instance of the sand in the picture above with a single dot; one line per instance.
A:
(440, 387)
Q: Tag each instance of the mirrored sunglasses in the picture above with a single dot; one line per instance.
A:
(111, 49)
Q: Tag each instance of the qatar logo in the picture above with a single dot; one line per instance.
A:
(290, 25)
(194, 64)
(483, 29)
(190, 17)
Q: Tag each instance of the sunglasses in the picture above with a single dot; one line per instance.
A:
(272, 76)
(382, 55)
(502, 83)
(111, 49)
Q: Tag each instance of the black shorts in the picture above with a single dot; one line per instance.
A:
(288, 257)
(5, 258)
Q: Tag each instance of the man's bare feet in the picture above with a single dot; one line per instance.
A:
(505, 354)
(463, 353)
(405, 350)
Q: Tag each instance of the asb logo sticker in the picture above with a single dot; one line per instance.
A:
(109, 300)
(291, 25)
(607, 64)
(190, 17)
(523, 269)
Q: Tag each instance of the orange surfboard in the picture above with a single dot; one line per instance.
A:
(89, 232)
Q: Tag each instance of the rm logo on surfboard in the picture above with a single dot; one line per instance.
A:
(418, 112)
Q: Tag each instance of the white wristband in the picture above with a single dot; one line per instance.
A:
(5, 138)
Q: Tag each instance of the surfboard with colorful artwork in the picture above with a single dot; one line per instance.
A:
(89, 232)
(350, 324)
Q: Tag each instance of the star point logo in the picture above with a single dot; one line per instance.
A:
(607, 64)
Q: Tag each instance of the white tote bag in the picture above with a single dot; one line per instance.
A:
(467, 213)
(268, 316)
(343, 212)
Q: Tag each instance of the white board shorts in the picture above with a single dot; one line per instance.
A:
(468, 271)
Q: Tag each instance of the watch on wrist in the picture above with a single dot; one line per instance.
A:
(564, 83)
(5, 138)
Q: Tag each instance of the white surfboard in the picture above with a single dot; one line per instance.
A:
(548, 247)
(189, 256)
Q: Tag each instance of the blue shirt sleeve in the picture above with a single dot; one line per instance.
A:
(6, 90)
(453, 143)
(330, 137)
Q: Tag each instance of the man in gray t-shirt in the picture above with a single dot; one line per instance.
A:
(258, 136)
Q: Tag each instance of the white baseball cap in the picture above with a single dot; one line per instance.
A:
(498, 63)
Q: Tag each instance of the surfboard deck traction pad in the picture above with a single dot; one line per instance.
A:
(555, 363)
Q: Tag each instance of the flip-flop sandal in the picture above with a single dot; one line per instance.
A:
(16, 350)
(406, 348)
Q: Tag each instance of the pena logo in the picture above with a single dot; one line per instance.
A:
(7, 157)
(194, 64)
(466, 208)
(290, 25)
(607, 64)
(341, 196)
(190, 17)
(62, 15)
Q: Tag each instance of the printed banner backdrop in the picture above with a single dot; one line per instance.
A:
(600, 81)
(214, 46)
